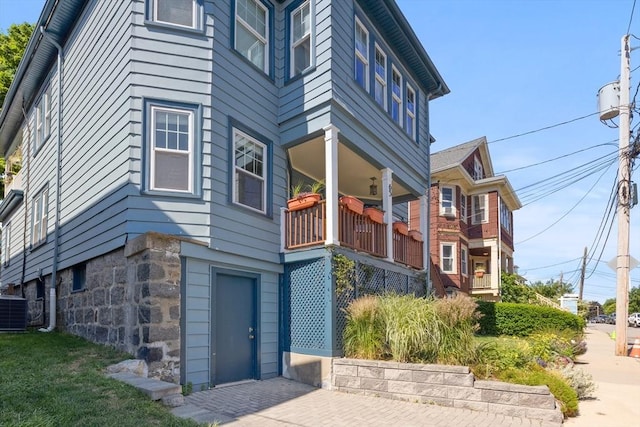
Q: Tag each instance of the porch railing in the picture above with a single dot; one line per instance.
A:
(306, 227)
(483, 282)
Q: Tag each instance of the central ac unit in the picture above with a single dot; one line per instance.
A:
(13, 313)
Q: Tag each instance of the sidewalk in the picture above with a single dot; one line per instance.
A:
(617, 401)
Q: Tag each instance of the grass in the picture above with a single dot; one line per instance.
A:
(55, 379)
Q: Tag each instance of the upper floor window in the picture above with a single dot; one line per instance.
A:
(505, 216)
(447, 205)
(301, 44)
(448, 257)
(478, 172)
(250, 174)
(170, 148)
(396, 96)
(183, 13)
(6, 244)
(362, 55)
(252, 32)
(410, 122)
(464, 256)
(39, 215)
(463, 207)
(43, 118)
(381, 78)
(479, 208)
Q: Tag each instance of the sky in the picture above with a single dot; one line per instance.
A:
(516, 66)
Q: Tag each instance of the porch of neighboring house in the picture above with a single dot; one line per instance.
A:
(485, 273)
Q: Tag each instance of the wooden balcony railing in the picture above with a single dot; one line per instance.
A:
(306, 227)
(483, 282)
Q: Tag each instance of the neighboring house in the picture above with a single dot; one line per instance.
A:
(471, 220)
(159, 139)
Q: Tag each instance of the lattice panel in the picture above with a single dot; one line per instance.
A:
(417, 285)
(307, 299)
(370, 280)
(396, 282)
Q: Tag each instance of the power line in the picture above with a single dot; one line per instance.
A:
(631, 17)
(543, 128)
(552, 265)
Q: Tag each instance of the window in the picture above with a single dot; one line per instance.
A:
(380, 90)
(43, 118)
(396, 96)
(505, 216)
(447, 205)
(252, 32)
(183, 13)
(39, 214)
(464, 257)
(478, 172)
(170, 149)
(410, 124)
(79, 277)
(6, 244)
(447, 257)
(249, 183)
(479, 208)
(301, 45)
(463, 207)
(362, 55)
(39, 289)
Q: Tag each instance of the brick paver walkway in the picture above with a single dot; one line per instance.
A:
(280, 402)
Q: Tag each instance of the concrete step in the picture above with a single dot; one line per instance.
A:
(155, 389)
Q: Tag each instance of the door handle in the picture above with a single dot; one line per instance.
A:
(251, 337)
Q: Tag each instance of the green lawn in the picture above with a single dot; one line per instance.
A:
(55, 379)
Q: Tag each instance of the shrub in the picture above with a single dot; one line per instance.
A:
(502, 354)
(559, 387)
(363, 335)
(580, 381)
(553, 345)
(524, 319)
(457, 321)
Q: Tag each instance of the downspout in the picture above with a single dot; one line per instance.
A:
(56, 229)
(27, 169)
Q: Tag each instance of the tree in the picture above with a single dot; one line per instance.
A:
(609, 306)
(634, 300)
(12, 47)
(552, 290)
(513, 290)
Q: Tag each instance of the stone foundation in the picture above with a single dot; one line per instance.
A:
(453, 386)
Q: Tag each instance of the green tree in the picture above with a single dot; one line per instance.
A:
(513, 290)
(609, 306)
(12, 47)
(634, 300)
(552, 290)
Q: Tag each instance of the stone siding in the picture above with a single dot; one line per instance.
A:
(453, 386)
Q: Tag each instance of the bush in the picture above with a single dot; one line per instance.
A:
(457, 318)
(364, 332)
(580, 381)
(551, 345)
(524, 319)
(559, 387)
(502, 354)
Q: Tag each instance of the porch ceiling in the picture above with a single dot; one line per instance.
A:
(354, 172)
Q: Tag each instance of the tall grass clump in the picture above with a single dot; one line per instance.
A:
(409, 328)
(457, 322)
(364, 332)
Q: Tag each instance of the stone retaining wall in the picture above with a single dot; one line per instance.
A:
(453, 386)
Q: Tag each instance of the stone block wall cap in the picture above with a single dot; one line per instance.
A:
(500, 386)
(154, 240)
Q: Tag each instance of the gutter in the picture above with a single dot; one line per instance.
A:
(56, 229)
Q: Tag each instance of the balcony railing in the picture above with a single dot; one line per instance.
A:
(306, 227)
(13, 183)
(483, 282)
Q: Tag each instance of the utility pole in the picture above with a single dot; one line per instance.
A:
(582, 273)
(624, 206)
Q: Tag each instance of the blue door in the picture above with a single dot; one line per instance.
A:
(234, 331)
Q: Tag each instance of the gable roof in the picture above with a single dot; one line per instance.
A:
(454, 156)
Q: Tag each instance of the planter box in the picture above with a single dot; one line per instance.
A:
(352, 203)
(415, 235)
(401, 227)
(479, 273)
(374, 214)
(303, 201)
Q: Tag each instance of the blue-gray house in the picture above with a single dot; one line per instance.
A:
(159, 141)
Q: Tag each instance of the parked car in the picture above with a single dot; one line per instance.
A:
(602, 318)
(612, 319)
(634, 320)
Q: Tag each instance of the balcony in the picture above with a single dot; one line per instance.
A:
(483, 282)
(12, 182)
(307, 228)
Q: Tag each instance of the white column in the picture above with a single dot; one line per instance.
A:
(387, 206)
(331, 183)
(424, 229)
(495, 265)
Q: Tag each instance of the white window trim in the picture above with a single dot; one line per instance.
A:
(485, 218)
(395, 97)
(43, 118)
(264, 172)
(6, 244)
(264, 40)
(443, 212)
(464, 209)
(412, 131)
(153, 149)
(381, 80)
(464, 260)
(364, 59)
(453, 257)
(296, 43)
(194, 17)
(478, 170)
(39, 219)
